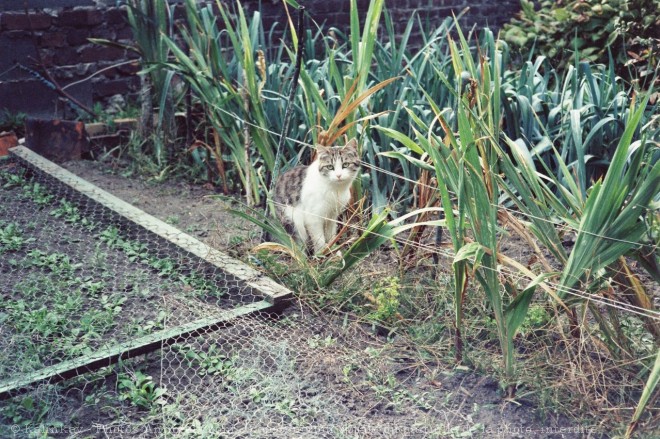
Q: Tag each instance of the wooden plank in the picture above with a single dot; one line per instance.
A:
(273, 291)
(133, 348)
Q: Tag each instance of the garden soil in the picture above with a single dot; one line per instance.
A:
(341, 380)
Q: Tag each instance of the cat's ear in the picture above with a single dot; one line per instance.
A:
(321, 149)
(352, 144)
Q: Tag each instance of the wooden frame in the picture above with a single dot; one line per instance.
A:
(275, 295)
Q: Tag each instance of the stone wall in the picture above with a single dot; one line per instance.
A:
(60, 29)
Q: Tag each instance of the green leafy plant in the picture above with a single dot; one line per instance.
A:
(316, 341)
(58, 263)
(386, 298)
(140, 390)
(37, 193)
(11, 237)
(11, 179)
(588, 29)
(68, 211)
(28, 411)
(200, 285)
(10, 121)
(209, 362)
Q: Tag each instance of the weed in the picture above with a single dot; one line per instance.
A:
(112, 303)
(139, 327)
(209, 362)
(316, 341)
(37, 193)
(201, 285)
(138, 252)
(42, 323)
(140, 390)
(27, 411)
(386, 298)
(68, 211)
(173, 220)
(36, 285)
(110, 236)
(12, 179)
(347, 370)
(537, 318)
(12, 121)
(165, 267)
(57, 263)
(93, 324)
(135, 251)
(11, 237)
(460, 432)
(90, 286)
(236, 240)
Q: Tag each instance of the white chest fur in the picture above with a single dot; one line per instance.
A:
(322, 199)
(322, 196)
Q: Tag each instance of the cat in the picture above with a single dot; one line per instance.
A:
(309, 199)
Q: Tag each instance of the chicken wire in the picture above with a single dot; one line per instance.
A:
(289, 377)
(80, 281)
(259, 376)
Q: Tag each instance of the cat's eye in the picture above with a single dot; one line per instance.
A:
(345, 165)
(327, 168)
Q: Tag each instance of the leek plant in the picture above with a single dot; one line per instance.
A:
(230, 90)
(582, 113)
(611, 220)
(464, 156)
(152, 24)
(535, 151)
(480, 171)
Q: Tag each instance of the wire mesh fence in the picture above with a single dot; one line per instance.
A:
(113, 324)
(110, 328)
(283, 378)
(261, 376)
(83, 285)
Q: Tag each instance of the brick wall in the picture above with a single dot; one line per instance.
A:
(61, 35)
(61, 28)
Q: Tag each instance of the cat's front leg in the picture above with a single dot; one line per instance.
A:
(329, 230)
(298, 219)
(316, 231)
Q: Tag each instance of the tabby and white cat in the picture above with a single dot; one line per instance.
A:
(310, 198)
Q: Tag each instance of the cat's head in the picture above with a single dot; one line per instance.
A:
(339, 163)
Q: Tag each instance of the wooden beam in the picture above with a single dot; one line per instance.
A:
(272, 291)
(275, 295)
(122, 351)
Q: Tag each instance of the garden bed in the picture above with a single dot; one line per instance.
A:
(298, 375)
